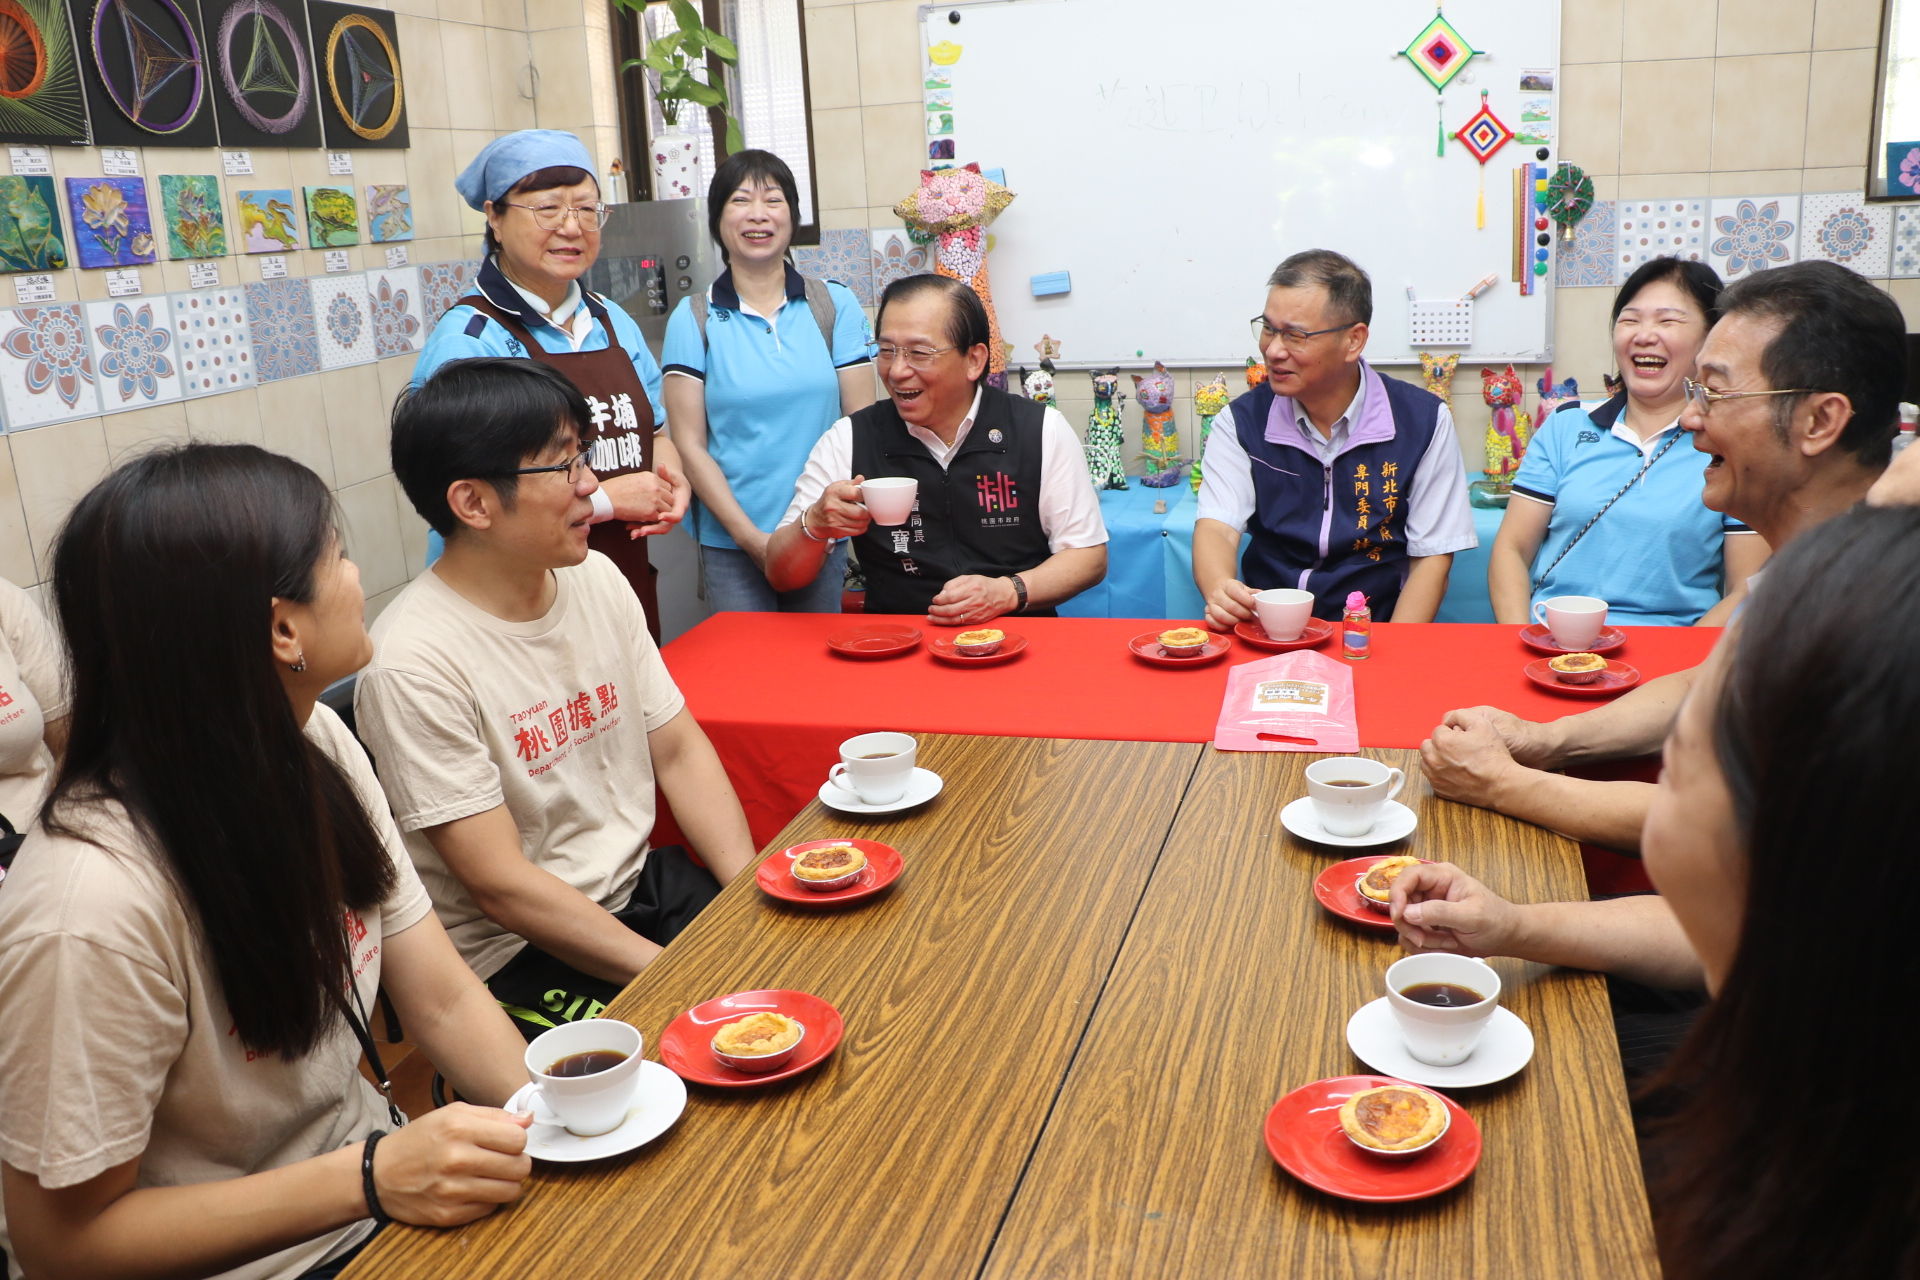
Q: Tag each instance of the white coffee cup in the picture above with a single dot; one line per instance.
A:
(593, 1104)
(1343, 808)
(1283, 612)
(889, 499)
(875, 766)
(1442, 1035)
(1575, 621)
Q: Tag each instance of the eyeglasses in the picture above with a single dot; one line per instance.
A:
(572, 466)
(549, 217)
(920, 358)
(1264, 333)
(1698, 393)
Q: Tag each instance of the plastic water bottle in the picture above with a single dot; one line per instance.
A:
(1356, 628)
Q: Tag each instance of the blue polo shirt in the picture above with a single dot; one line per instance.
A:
(1655, 556)
(772, 389)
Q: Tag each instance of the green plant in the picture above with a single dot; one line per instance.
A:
(674, 57)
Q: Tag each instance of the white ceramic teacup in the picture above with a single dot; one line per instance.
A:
(889, 499)
(1575, 621)
(592, 1104)
(1344, 808)
(1442, 1036)
(1283, 612)
(875, 766)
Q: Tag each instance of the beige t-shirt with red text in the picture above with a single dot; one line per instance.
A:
(464, 711)
(32, 691)
(118, 1042)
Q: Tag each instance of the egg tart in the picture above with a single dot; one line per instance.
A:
(1394, 1119)
(1375, 886)
(1183, 642)
(1577, 668)
(758, 1042)
(980, 643)
(834, 867)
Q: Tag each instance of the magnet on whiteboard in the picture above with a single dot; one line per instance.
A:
(1049, 283)
(996, 175)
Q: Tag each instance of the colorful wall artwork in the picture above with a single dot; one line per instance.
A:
(112, 226)
(145, 67)
(362, 93)
(389, 213)
(265, 88)
(211, 341)
(47, 373)
(280, 327)
(40, 95)
(343, 321)
(190, 206)
(333, 217)
(266, 221)
(30, 226)
(399, 324)
(135, 356)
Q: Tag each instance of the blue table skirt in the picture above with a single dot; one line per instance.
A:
(1150, 561)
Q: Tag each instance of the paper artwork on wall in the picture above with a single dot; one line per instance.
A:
(146, 72)
(211, 342)
(846, 256)
(895, 257)
(280, 325)
(190, 208)
(46, 366)
(112, 226)
(1752, 234)
(389, 212)
(1589, 259)
(1906, 241)
(134, 352)
(399, 321)
(40, 96)
(1842, 227)
(343, 320)
(333, 217)
(30, 226)
(1903, 168)
(261, 64)
(362, 91)
(1651, 229)
(442, 284)
(267, 221)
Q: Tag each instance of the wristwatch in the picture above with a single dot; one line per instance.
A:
(1019, 589)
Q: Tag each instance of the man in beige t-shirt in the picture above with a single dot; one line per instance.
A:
(519, 712)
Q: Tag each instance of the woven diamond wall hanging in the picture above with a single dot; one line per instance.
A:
(1440, 53)
(1483, 135)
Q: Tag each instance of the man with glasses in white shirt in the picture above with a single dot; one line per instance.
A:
(1006, 519)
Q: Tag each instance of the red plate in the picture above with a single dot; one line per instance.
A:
(942, 648)
(686, 1046)
(1303, 1133)
(1617, 678)
(1318, 631)
(775, 878)
(1335, 891)
(876, 641)
(1537, 638)
(1146, 646)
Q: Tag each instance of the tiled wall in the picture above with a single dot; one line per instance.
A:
(1659, 99)
(475, 68)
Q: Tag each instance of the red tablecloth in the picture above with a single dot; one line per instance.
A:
(777, 702)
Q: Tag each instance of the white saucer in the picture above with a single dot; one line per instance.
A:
(657, 1103)
(1396, 823)
(1374, 1037)
(922, 786)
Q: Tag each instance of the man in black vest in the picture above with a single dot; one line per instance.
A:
(1006, 519)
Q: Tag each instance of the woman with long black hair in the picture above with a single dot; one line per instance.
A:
(194, 930)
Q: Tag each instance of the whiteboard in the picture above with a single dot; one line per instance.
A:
(1169, 173)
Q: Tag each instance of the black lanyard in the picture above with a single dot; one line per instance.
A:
(362, 1031)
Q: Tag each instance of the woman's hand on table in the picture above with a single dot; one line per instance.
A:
(1229, 603)
(452, 1165)
(1438, 907)
(971, 599)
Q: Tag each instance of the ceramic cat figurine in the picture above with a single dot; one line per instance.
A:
(1105, 432)
(1159, 438)
(1439, 373)
(1039, 384)
(1500, 388)
(1209, 400)
(956, 206)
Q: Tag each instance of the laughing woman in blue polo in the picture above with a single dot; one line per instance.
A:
(1608, 503)
(756, 373)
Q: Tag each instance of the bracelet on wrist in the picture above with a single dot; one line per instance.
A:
(367, 1188)
(811, 535)
(1020, 590)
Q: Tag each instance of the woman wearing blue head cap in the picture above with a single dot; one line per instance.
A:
(543, 233)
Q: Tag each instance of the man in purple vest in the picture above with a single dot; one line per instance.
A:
(1344, 479)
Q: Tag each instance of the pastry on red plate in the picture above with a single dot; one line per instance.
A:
(1577, 668)
(1394, 1119)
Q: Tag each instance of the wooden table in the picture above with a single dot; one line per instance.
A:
(1065, 1026)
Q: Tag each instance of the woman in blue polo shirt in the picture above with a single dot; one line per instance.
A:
(1608, 503)
(756, 373)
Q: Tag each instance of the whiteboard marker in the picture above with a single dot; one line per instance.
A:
(1486, 283)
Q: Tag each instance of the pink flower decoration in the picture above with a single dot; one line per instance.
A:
(1910, 170)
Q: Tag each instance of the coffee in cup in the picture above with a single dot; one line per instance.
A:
(1350, 793)
(1574, 621)
(585, 1074)
(889, 499)
(875, 767)
(1283, 612)
(1442, 1004)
